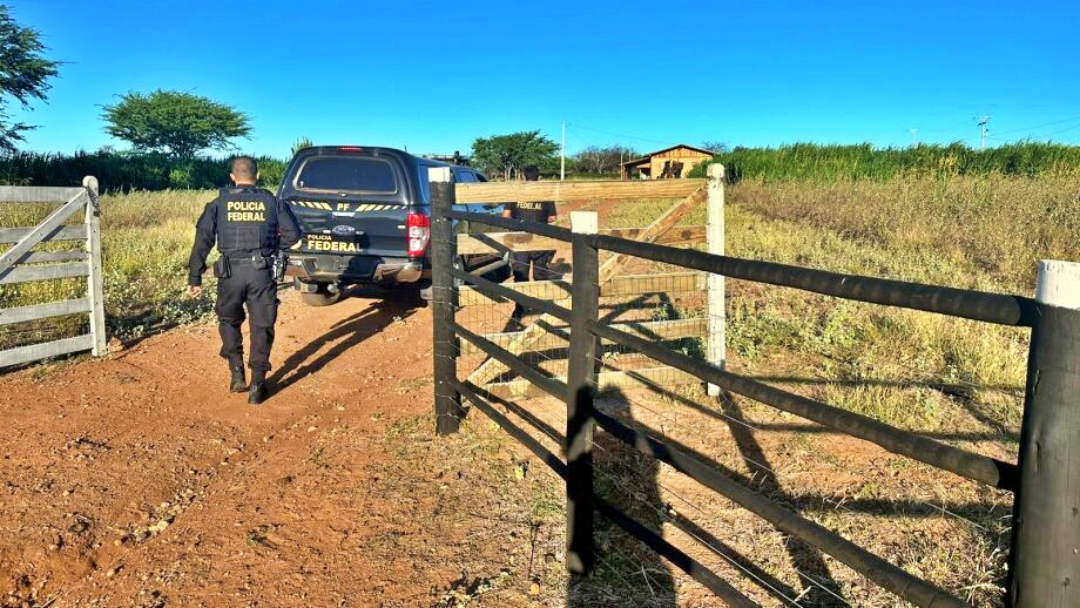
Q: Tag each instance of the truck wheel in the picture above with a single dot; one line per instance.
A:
(323, 296)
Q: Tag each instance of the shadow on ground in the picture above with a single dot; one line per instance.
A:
(627, 573)
(343, 336)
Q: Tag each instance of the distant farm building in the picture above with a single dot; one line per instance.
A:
(676, 161)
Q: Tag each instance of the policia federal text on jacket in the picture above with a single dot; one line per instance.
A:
(250, 227)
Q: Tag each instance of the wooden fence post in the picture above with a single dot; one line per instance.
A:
(94, 281)
(448, 411)
(1044, 565)
(581, 388)
(714, 230)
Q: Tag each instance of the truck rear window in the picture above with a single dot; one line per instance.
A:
(347, 173)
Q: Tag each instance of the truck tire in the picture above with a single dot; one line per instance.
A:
(322, 297)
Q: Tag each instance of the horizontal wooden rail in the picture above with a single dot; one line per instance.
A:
(44, 257)
(43, 311)
(492, 288)
(65, 233)
(966, 464)
(558, 337)
(976, 305)
(712, 475)
(25, 274)
(45, 230)
(469, 391)
(37, 194)
(547, 230)
(625, 380)
(626, 285)
(573, 191)
(551, 386)
(35, 352)
(498, 242)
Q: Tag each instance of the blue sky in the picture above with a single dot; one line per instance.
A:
(433, 76)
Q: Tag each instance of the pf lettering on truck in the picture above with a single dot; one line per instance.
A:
(365, 213)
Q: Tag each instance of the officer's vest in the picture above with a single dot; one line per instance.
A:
(247, 221)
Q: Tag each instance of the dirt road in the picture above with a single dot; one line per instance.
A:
(138, 480)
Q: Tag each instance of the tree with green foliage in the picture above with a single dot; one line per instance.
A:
(24, 74)
(174, 123)
(507, 154)
(605, 160)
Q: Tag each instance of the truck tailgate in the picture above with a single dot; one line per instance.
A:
(351, 228)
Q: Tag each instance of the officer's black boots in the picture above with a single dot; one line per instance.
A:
(258, 388)
(238, 384)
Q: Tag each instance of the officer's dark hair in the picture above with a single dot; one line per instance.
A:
(531, 173)
(244, 168)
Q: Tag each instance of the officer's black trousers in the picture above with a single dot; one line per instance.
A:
(255, 288)
(540, 261)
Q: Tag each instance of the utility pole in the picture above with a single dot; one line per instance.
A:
(914, 137)
(562, 162)
(983, 130)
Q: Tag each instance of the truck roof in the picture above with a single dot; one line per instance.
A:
(368, 150)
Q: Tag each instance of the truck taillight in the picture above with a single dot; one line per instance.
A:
(419, 229)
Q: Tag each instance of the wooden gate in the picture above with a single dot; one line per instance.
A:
(20, 264)
(548, 334)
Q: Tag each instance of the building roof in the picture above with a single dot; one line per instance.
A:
(651, 154)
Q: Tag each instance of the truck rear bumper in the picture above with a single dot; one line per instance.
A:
(356, 269)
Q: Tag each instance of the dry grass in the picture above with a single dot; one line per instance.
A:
(993, 229)
(955, 380)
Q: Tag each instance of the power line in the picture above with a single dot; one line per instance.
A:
(1063, 130)
(624, 135)
(1048, 124)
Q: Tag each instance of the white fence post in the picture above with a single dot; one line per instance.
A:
(1058, 284)
(717, 343)
(1044, 563)
(94, 283)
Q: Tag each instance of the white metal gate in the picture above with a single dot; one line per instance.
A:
(20, 264)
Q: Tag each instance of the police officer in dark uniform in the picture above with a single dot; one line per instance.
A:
(251, 227)
(543, 212)
(538, 213)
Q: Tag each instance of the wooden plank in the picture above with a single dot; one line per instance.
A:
(499, 242)
(679, 235)
(523, 241)
(43, 311)
(37, 352)
(36, 194)
(559, 291)
(26, 274)
(606, 381)
(654, 231)
(65, 233)
(569, 191)
(44, 257)
(45, 229)
(650, 330)
(94, 282)
(492, 368)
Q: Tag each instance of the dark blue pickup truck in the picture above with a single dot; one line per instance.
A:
(365, 215)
